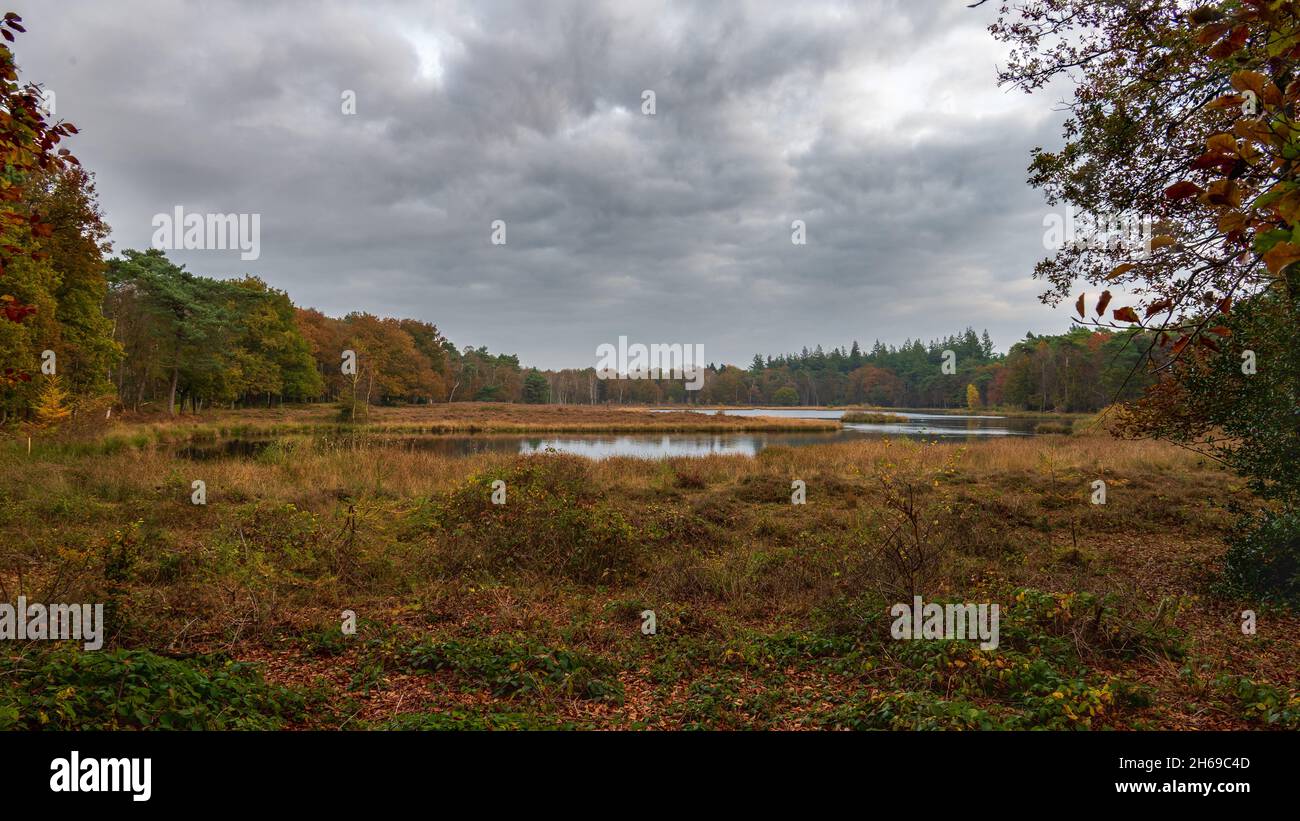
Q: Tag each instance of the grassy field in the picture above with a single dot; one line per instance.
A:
(528, 614)
(464, 417)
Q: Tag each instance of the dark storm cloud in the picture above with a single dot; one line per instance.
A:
(878, 124)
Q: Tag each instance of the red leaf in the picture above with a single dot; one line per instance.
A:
(1182, 190)
(1103, 302)
(1156, 307)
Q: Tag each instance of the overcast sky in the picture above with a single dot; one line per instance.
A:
(878, 124)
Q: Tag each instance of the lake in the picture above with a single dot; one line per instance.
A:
(919, 425)
(922, 426)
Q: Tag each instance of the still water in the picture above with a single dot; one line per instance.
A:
(923, 426)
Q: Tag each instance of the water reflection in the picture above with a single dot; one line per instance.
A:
(919, 425)
(925, 426)
(656, 446)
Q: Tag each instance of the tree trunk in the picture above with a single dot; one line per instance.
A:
(171, 401)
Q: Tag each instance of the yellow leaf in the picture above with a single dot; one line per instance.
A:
(1280, 256)
(1120, 270)
(1225, 143)
(1232, 221)
(1258, 83)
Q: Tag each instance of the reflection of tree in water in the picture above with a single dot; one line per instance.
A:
(937, 427)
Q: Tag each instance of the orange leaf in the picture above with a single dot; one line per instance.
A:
(1211, 32)
(1223, 192)
(1222, 143)
(1120, 270)
(1232, 221)
(1126, 314)
(1258, 83)
(1280, 256)
(1226, 101)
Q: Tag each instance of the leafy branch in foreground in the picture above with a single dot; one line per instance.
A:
(29, 146)
(1188, 116)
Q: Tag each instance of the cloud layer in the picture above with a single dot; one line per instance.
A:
(878, 125)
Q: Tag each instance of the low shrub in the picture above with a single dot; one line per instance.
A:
(1263, 559)
(554, 522)
(67, 689)
(509, 668)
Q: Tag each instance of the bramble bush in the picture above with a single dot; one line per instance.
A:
(67, 689)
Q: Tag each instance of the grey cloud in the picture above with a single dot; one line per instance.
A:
(667, 228)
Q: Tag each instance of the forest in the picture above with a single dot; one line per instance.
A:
(141, 332)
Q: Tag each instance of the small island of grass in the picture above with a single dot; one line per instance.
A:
(1065, 428)
(863, 418)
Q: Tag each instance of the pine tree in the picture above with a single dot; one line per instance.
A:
(537, 391)
(51, 406)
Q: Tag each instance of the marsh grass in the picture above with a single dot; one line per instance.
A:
(742, 580)
(461, 417)
(861, 417)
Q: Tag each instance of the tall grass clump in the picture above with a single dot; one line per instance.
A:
(555, 521)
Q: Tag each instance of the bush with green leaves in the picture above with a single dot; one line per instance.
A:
(67, 689)
(786, 396)
(1248, 418)
(1264, 559)
(1262, 702)
(510, 668)
(467, 720)
(1252, 419)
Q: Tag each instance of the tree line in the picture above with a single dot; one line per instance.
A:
(150, 335)
(1079, 371)
(189, 342)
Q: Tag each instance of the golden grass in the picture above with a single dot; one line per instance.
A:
(303, 469)
(460, 417)
(716, 547)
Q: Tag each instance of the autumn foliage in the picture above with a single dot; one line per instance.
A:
(29, 144)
